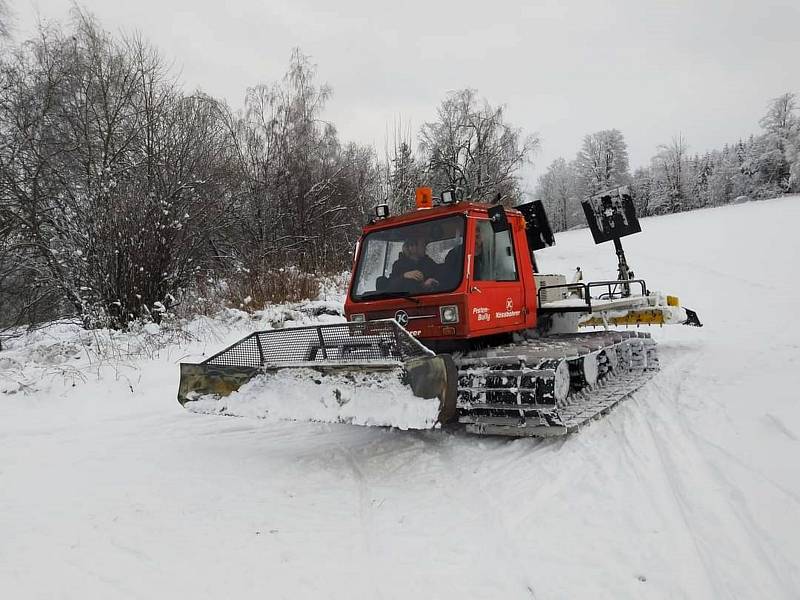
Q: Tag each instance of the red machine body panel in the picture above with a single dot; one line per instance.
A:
(503, 303)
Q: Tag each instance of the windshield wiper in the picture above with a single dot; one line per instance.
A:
(386, 295)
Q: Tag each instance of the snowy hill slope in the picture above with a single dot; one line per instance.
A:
(691, 489)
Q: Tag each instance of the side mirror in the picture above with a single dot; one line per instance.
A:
(537, 226)
(498, 218)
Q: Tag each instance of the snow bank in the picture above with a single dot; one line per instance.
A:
(63, 353)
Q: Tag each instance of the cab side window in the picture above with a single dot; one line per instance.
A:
(493, 255)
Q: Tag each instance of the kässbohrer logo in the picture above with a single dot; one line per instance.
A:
(509, 312)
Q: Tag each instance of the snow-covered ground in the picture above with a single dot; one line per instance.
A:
(109, 489)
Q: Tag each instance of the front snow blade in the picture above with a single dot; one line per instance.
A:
(371, 373)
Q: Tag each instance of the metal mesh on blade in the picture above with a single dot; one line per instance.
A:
(339, 343)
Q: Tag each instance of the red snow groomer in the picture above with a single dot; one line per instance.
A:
(447, 302)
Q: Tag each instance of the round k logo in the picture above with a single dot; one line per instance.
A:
(401, 317)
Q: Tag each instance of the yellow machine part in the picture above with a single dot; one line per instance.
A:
(645, 316)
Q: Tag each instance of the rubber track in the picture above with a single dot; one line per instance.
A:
(636, 358)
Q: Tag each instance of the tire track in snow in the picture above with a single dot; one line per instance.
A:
(436, 455)
(758, 538)
(780, 426)
(755, 537)
(433, 459)
(669, 469)
(366, 517)
(491, 516)
(744, 466)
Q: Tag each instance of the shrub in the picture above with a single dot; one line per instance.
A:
(251, 292)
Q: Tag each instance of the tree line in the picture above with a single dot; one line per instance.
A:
(121, 194)
(119, 191)
(765, 165)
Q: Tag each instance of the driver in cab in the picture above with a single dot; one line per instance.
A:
(414, 269)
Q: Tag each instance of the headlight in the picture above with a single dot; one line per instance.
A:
(357, 318)
(448, 314)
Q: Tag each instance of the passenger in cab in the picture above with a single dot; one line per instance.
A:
(452, 266)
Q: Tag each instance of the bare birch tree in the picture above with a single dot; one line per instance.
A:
(602, 162)
(669, 171)
(472, 147)
(558, 191)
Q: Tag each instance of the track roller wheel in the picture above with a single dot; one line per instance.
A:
(561, 382)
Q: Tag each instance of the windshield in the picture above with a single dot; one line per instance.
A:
(421, 258)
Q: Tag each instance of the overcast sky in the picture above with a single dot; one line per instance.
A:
(703, 68)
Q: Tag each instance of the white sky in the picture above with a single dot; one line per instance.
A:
(703, 68)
